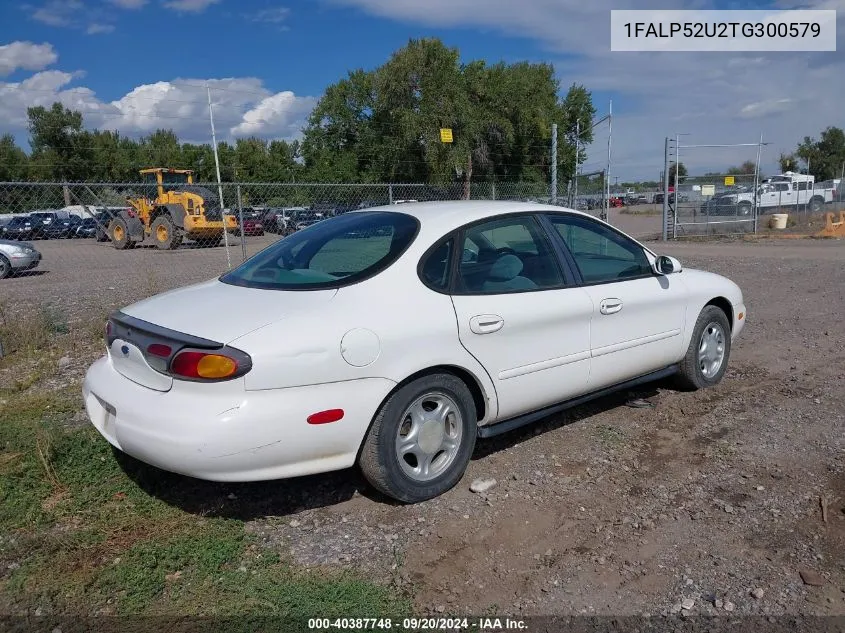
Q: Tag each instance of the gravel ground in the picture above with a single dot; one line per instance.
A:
(728, 500)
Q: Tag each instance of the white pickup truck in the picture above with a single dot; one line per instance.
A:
(781, 191)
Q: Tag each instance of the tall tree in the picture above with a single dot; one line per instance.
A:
(385, 124)
(826, 157)
(746, 169)
(60, 145)
(681, 170)
(13, 160)
(788, 162)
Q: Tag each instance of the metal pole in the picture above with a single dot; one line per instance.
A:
(677, 169)
(219, 184)
(575, 178)
(554, 163)
(241, 215)
(609, 145)
(757, 182)
(666, 190)
(390, 194)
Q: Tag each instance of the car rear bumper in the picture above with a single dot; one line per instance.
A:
(231, 434)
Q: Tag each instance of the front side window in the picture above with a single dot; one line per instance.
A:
(601, 254)
(504, 255)
(335, 252)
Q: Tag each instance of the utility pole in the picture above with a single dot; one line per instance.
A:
(554, 163)
(219, 184)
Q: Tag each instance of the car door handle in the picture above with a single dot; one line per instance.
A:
(611, 306)
(486, 323)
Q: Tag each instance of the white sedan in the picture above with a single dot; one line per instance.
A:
(393, 337)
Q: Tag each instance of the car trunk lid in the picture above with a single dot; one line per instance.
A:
(144, 337)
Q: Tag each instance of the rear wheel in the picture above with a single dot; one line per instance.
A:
(5, 267)
(816, 204)
(166, 236)
(709, 350)
(119, 232)
(421, 439)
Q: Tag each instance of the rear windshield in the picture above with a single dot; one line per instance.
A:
(335, 252)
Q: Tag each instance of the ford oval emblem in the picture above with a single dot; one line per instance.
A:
(125, 350)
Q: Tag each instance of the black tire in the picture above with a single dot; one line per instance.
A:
(165, 235)
(379, 460)
(119, 234)
(816, 204)
(692, 376)
(744, 209)
(5, 267)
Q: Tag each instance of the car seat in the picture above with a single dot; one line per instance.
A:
(504, 275)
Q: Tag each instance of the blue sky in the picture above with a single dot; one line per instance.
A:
(136, 65)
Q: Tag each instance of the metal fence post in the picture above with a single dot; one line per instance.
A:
(666, 190)
(390, 194)
(241, 216)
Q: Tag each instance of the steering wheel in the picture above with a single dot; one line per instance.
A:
(505, 250)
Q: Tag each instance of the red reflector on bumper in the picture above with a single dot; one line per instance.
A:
(324, 417)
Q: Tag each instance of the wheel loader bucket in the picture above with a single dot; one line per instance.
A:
(831, 228)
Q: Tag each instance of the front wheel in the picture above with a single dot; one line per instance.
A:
(708, 353)
(5, 267)
(421, 439)
(166, 236)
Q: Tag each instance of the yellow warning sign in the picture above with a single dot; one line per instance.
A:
(729, 180)
(445, 135)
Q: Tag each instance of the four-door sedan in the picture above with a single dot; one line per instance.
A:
(393, 337)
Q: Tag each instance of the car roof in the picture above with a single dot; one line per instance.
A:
(445, 216)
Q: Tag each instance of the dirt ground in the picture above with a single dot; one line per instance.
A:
(709, 502)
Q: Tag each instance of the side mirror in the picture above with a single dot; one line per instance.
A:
(665, 265)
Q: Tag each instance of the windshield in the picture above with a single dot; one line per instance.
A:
(333, 253)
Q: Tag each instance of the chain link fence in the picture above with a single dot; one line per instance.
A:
(98, 252)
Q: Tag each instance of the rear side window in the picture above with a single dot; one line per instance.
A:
(333, 253)
(434, 269)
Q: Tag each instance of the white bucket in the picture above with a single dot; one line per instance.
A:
(778, 220)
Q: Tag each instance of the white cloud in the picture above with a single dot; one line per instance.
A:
(281, 114)
(718, 98)
(190, 6)
(59, 12)
(276, 15)
(95, 28)
(242, 106)
(25, 56)
(129, 4)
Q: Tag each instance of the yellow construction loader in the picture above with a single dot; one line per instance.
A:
(174, 209)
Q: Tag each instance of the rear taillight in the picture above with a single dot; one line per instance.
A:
(204, 366)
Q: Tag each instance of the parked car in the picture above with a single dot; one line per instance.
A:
(41, 221)
(317, 364)
(16, 257)
(283, 219)
(658, 198)
(18, 228)
(252, 222)
(87, 228)
(61, 228)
